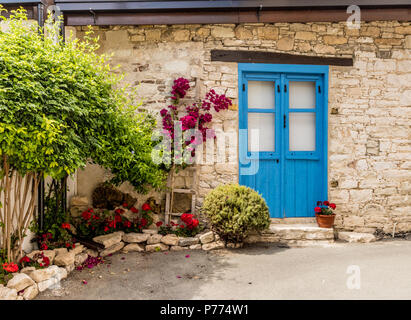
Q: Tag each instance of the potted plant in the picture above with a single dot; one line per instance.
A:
(324, 214)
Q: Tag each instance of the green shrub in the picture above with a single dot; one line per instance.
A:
(234, 211)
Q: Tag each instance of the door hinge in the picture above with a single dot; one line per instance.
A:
(319, 89)
(243, 86)
(285, 88)
(278, 88)
(285, 121)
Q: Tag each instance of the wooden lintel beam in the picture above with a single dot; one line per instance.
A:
(242, 56)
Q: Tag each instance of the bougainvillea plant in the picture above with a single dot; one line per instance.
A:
(325, 208)
(186, 126)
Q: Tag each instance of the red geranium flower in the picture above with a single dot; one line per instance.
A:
(332, 205)
(106, 229)
(117, 218)
(146, 207)
(25, 259)
(44, 246)
(143, 222)
(119, 211)
(159, 224)
(125, 205)
(46, 261)
(134, 210)
(10, 267)
(326, 203)
(317, 209)
(86, 215)
(127, 224)
(91, 210)
(65, 225)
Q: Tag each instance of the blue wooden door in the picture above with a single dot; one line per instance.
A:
(283, 135)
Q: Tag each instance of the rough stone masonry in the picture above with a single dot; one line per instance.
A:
(369, 157)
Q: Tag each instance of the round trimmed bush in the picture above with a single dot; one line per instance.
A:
(235, 211)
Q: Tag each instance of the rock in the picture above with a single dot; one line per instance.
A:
(79, 202)
(156, 247)
(69, 268)
(170, 239)
(31, 292)
(195, 246)
(61, 273)
(134, 247)
(356, 237)
(40, 275)
(27, 270)
(108, 240)
(150, 231)
(7, 293)
(59, 251)
(33, 253)
(207, 237)
(233, 245)
(130, 200)
(155, 238)
(135, 237)
(51, 254)
(106, 197)
(77, 249)
(178, 248)
(47, 284)
(64, 259)
(80, 258)
(189, 241)
(114, 248)
(20, 281)
(92, 253)
(213, 245)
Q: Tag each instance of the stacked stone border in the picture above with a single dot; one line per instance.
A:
(29, 282)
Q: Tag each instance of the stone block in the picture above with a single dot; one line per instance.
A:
(134, 247)
(20, 281)
(213, 245)
(108, 240)
(156, 247)
(135, 237)
(170, 239)
(154, 238)
(110, 250)
(207, 237)
(356, 237)
(189, 241)
(64, 259)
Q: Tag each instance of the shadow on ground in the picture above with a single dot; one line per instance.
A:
(160, 275)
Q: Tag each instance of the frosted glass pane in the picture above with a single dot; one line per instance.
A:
(264, 124)
(302, 95)
(302, 131)
(261, 94)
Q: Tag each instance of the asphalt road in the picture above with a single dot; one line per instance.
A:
(380, 270)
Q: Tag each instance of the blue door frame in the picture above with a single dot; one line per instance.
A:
(290, 181)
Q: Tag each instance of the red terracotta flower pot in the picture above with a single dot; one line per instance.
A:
(325, 221)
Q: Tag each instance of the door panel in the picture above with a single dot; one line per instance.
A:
(287, 110)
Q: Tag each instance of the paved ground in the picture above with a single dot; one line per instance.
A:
(255, 272)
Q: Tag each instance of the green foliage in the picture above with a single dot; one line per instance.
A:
(61, 104)
(53, 235)
(234, 211)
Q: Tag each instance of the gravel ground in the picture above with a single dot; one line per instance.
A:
(254, 272)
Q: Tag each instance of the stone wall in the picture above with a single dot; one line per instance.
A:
(369, 103)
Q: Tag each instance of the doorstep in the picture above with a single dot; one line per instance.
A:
(294, 234)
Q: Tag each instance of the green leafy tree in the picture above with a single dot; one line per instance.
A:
(60, 106)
